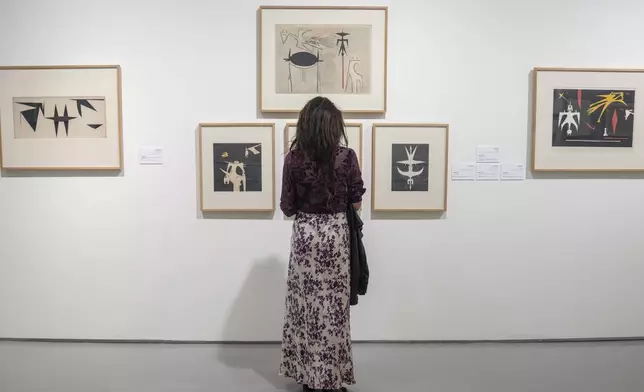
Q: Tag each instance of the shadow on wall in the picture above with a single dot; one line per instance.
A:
(257, 315)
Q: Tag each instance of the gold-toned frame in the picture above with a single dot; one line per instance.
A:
(119, 87)
(535, 78)
(373, 165)
(349, 124)
(201, 189)
(313, 8)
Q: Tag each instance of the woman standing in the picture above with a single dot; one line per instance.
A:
(320, 179)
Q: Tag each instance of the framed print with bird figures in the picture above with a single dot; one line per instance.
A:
(237, 167)
(409, 170)
(61, 118)
(338, 52)
(353, 131)
(586, 120)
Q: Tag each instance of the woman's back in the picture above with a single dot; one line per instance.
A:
(320, 176)
(320, 179)
(305, 188)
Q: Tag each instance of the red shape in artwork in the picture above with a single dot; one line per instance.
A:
(615, 120)
(343, 72)
(579, 98)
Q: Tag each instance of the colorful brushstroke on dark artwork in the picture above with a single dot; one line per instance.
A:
(593, 118)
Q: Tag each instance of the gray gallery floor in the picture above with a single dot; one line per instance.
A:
(561, 367)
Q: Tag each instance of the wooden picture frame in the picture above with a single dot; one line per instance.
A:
(585, 120)
(235, 148)
(429, 165)
(82, 131)
(308, 48)
(355, 132)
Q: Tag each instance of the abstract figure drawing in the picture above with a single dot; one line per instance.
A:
(253, 150)
(237, 167)
(323, 54)
(593, 118)
(410, 162)
(303, 61)
(235, 174)
(355, 80)
(305, 41)
(40, 117)
(569, 118)
(343, 42)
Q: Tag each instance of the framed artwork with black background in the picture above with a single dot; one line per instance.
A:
(586, 120)
(409, 170)
(237, 167)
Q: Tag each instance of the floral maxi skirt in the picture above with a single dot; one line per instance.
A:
(316, 341)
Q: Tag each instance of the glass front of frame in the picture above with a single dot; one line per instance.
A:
(237, 167)
(585, 120)
(336, 52)
(410, 167)
(66, 118)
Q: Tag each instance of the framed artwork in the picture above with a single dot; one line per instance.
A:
(338, 52)
(354, 136)
(585, 120)
(237, 164)
(61, 118)
(410, 167)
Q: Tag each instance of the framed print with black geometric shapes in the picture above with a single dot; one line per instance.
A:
(61, 118)
(237, 164)
(409, 171)
(339, 52)
(586, 120)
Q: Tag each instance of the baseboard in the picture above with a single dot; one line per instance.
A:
(262, 342)
(508, 341)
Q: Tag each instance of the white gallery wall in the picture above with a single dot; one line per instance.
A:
(130, 257)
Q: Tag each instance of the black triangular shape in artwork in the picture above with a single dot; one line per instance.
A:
(36, 105)
(83, 102)
(31, 115)
(95, 126)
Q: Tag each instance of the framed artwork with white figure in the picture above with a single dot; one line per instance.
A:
(237, 167)
(338, 52)
(409, 168)
(585, 120)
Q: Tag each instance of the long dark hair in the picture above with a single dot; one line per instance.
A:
(320, 130)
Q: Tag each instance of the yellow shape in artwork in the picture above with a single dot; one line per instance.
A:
(605, 101)
(225, 154)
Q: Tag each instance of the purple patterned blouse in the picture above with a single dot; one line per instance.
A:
(302, 191)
